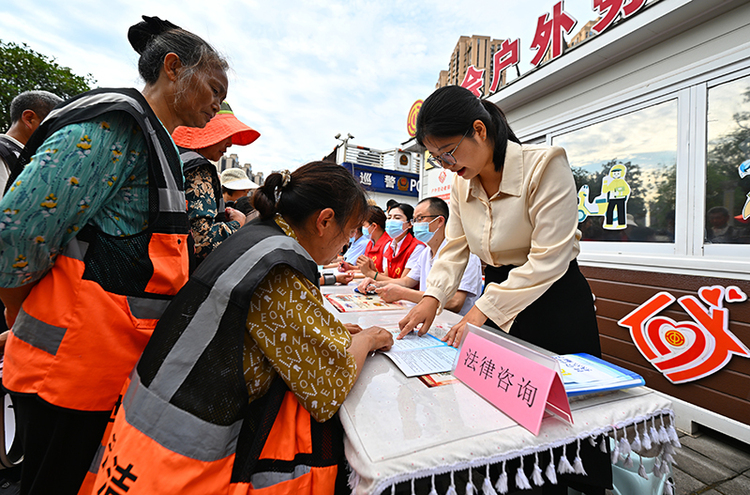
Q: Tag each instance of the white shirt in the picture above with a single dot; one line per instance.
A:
(4, 171)
(471, 281)
(411, 263)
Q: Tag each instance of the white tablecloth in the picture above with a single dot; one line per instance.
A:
(398, 429)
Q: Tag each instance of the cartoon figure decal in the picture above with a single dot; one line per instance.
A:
(687, 350)
(744, 171)
(611, 203)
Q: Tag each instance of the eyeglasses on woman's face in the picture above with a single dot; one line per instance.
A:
(446, 159)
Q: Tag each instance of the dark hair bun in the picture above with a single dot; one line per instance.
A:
(139, 35)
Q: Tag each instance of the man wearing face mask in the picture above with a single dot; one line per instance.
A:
(430, 218)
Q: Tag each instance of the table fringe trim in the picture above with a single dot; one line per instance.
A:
(649, 436)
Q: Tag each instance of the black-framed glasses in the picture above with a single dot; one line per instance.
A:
(421, 219)
(446, 158)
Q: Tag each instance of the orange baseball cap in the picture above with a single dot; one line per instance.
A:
(223, 125)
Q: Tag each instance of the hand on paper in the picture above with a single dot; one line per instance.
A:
(391, 292)
(366, 266)
(423, 313)
(380, 338)
(353, 328)
(474, 316)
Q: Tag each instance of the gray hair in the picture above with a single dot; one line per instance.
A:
(40, 102)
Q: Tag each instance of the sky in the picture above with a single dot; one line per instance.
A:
(301, 72)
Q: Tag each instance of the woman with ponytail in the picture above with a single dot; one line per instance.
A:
(238, 389)
(93, 247)
(514, 206)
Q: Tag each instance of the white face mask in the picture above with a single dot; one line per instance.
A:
(422, 231)
(394, 228)
(366, 232)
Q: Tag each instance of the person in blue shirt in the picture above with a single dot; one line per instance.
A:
(357, 245)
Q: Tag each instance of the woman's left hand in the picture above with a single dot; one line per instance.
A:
(353, 328)
(474, 316)
(366, 266)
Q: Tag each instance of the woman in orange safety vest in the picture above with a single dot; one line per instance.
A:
(100, 251)
(238, 389)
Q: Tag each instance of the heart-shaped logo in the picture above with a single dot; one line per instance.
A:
(678, 344)
(735, 294)
(712, 295)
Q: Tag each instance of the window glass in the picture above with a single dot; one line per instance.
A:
(728, 164)
(624, 170)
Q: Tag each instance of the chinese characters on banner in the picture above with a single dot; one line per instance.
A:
(474, 80)
(687, 350)
(550, 31)
(520, 387)
(608, 10)
(549, 36)
(506, 57)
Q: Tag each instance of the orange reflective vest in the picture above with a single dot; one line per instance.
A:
(396, 264)
(186, 425)
(84, 325)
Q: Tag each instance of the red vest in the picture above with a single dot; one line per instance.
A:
(374, 251)
(397, 263)
(84, 325)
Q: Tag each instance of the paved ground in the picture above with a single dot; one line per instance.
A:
(710, 463)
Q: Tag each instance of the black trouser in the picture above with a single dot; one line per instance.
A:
(562, 320)
(619, 205)
(58, 444)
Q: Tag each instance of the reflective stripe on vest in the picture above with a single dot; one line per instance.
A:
(37, 333)
(170, 198)
(175, 429)
(204, 325)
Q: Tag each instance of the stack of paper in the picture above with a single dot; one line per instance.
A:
(586, 374)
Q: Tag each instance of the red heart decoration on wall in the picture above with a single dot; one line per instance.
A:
(712, 295)
(735, 294)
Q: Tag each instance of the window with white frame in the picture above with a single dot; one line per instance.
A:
(625, 172)
(727, 193)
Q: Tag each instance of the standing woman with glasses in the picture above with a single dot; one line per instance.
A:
(515, 207)
(93, 245)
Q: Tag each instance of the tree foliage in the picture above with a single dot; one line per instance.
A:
(23, 69)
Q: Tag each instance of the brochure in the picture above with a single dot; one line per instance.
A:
(438, 379)
(587, 374)
(346, 303)
(416, 356)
